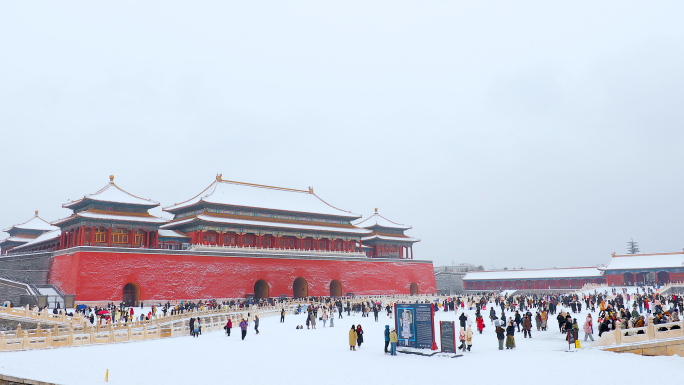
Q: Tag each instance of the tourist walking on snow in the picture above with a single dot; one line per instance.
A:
(243, 328)
(500, 335)
(463, 319)
(480, 323)
(312, 317)
(588, 328)
(387, 338)
(282, 315)
(393, 342)
(527, 327)
(197, 327)
(256, 324)
(352, 338)
(510, 333)
(462, 339)
(229, 325)
(359, 335)
(469, 337)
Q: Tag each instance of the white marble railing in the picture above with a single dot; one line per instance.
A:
(200, 247)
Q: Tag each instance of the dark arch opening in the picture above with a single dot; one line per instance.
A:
(261, 290)
(663, 277)
(335, 288)
(300, 288)
(131, 294)
(628, 278)
(414, 288)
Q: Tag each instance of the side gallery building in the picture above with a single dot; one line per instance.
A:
(231, 240)
(631, 269)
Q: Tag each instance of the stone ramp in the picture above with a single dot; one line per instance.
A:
(10, 380)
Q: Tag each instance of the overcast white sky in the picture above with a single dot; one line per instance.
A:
(526, 133)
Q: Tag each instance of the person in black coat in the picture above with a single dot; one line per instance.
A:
(462, 319)
(510, 333)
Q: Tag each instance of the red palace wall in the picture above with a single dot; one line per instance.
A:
(101, 275)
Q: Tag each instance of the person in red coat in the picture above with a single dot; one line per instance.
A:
(480, 323)
(229, 325)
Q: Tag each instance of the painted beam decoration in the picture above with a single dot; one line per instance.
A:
(415, 325)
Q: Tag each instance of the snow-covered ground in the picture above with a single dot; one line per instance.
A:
(280, 354)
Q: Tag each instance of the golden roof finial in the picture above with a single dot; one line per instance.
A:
(218, 177)
(310, 190)
(111, 178)
(36, 212)
(376, 210)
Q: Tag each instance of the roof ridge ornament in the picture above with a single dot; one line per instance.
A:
(310, 190)
(111, 178)
(36, 212)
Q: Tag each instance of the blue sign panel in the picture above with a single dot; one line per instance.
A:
(414, 325)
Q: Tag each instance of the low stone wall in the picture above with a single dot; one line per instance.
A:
(30, 268)
(8, 324)
(11, 292)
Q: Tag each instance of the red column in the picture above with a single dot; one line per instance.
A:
(147, 239)
(318, 243)
(277, 242)
(240, 240)
(131, 240)
(411, 251)
(259, 240)
(220, 241)
(108, 234)
(201, 237)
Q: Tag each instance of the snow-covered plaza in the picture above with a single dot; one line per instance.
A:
(281, 354)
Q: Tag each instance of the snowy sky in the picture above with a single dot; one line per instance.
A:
(527, 133)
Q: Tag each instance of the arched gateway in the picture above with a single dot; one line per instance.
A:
(131, 294)
(335, 288)
(300, 288)
(261, 289)
(414, 288)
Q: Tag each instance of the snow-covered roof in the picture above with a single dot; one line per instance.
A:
(240, 194)
(17, 239)
(35, 223)
(571, 272)
(377, 220)
(646, 261)
(112, 193)
(171, 234)
(116, 217)
(387, 237)
(48, 236)
(273, 224)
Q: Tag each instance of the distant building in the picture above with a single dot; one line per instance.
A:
(654, 269)
(533, 279)
(449, 279)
